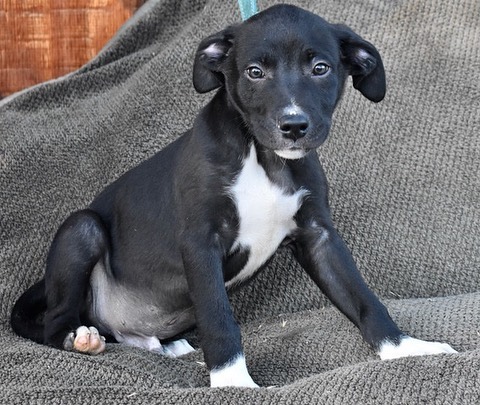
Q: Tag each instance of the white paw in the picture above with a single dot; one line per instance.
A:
(172, 349)
(412, 347)
(177, 348)
(85, 340)
(233, 374)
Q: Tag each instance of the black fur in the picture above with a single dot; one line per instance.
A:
(162, 234)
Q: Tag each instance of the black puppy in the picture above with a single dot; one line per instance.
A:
(155, 252)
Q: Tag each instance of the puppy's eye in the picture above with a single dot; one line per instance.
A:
(254, 72)
(320, 69)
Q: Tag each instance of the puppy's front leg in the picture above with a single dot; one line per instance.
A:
(219, 332)
(325, 257)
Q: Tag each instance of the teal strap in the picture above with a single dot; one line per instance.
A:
(247, 8)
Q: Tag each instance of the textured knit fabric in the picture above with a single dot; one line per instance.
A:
(404, 193)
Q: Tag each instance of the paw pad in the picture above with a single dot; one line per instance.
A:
(85, 340)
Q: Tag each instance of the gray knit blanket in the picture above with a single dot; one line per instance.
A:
(405, 195)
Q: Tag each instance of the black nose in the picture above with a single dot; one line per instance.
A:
(293, 126)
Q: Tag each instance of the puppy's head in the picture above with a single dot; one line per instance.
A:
(284, 71)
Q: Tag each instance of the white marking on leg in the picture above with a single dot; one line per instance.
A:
(409, 346)
(178, 348)
(143, 342)
(233, 374)
(151, 343)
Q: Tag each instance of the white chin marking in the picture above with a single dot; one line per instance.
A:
(409, 346)
(232, 374)
(291, 153)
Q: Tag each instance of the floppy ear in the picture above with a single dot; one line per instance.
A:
(211, 53)
(363, 63)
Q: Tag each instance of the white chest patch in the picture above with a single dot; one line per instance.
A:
(265, 214)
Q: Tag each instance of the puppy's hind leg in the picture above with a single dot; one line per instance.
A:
(80, 243)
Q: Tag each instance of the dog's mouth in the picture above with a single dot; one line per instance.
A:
(291, 153)
(268, 134)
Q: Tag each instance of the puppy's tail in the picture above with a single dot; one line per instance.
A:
(28, 311)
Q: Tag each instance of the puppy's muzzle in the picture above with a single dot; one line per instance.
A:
(293, 126)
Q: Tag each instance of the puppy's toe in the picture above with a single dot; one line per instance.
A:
(68, 342)
(88, 340)
(97, 342)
